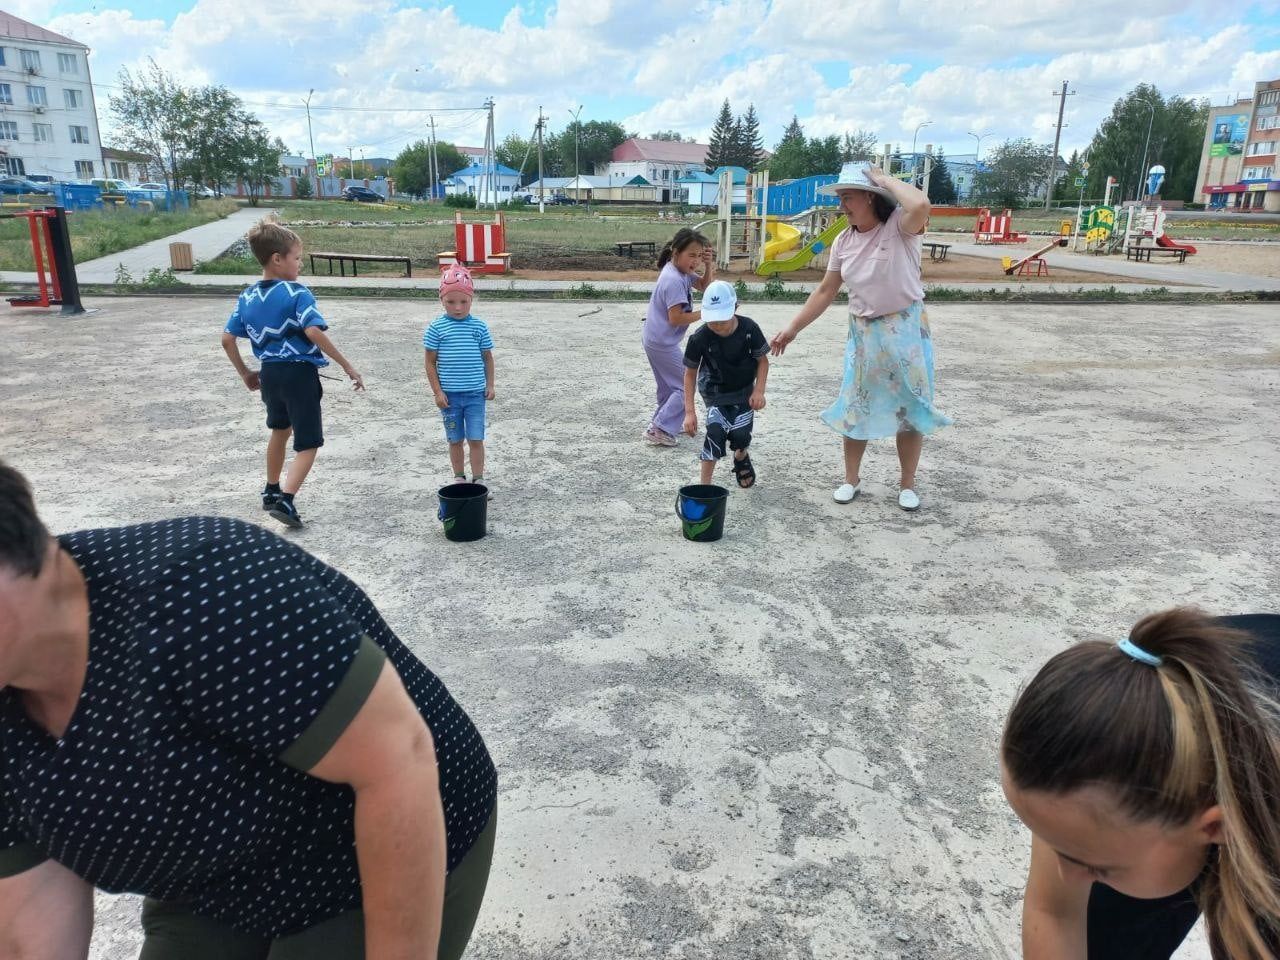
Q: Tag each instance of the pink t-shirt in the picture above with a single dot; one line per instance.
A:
(880, 267)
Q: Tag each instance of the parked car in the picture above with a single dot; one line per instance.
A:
(200, 190)
(152, 186)
(111, 188)
(361, 195)
(22, 185)
(41, 178)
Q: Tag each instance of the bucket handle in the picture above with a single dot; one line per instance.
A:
(679, 515)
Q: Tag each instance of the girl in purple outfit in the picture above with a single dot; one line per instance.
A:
(670, 313)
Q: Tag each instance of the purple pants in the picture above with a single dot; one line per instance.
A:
(668, 370)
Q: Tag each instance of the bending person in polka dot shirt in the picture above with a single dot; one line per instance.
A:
(197, 711)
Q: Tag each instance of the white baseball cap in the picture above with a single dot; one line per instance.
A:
(719, 301)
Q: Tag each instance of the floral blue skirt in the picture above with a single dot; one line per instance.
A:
(888, 378)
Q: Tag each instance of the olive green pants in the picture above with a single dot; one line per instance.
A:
(175, 933)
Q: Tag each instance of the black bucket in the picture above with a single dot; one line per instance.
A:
(700, 507)
(463, 510)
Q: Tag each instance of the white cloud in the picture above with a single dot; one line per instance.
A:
(989, 66)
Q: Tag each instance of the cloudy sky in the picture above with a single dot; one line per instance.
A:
(378, 67)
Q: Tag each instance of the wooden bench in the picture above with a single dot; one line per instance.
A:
(631, 246)
(938, 251)
(1139, 252)
(352, 258)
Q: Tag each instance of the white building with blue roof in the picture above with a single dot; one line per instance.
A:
(475, 179)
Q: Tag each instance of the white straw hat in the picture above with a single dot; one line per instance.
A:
(853, 176)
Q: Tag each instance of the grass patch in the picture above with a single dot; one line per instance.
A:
(97, 233)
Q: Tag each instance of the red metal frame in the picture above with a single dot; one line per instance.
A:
(41, 253)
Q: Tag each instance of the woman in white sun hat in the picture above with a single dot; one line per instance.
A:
(887, 389)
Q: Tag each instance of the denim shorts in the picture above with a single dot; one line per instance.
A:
(464, 416)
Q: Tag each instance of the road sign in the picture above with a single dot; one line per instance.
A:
(1085, 166)
(1079, 181)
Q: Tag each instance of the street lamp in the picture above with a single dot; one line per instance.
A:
(915, 161)
(1142, 170)
(977, 150)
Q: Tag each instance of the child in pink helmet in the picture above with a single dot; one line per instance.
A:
(459, 364)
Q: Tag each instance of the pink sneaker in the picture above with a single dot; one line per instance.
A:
(659, 438)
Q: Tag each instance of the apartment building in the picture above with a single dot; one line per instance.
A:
(48, 119)
(1238, 168)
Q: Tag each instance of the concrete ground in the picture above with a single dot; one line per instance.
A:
(782, 745)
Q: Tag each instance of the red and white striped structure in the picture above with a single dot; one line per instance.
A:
(989, 229)
(480, 247)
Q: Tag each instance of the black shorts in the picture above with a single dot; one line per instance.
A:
(291, 390)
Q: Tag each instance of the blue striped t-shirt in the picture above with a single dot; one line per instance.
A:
(274, 315)
(458, 345)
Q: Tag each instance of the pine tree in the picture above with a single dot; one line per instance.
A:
(750, 140)
(720, 151)
(942, 189)
(791, 156)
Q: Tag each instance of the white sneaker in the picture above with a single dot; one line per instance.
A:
(908, 500)
(847, 491)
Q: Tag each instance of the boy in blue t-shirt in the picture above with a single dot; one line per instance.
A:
(279, 317)
(459, 363)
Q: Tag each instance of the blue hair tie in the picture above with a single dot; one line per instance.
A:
(1135, 651)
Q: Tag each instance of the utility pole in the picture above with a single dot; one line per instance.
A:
(433, 166)
(312, 139)
(577, 135)
(351, 164)
(489, 177)
(1057, 139)
(542, 207)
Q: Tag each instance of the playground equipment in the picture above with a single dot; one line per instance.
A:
(1147, 224)
(804, 256)
(55, 264)
(1034, 260)
(480, 247)
(780, 238)
(989, 229)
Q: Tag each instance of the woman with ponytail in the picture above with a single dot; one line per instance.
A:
(1148, 773)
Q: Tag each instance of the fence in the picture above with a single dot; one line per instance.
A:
(286, 188)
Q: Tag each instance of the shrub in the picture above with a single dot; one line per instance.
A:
(464, 201)
(774, 287)
(302, 188)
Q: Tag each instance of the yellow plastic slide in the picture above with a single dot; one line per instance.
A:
(801, 258)
(781, 238)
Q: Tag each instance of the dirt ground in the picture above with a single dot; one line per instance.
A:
(779, 746)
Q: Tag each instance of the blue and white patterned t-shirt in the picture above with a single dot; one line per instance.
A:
(459, 346)
(274, 316)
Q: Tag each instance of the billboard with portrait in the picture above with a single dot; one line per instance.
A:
(1230, 131)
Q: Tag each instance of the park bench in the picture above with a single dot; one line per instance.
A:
(344, 258)
(629, 247)
(938, 251)
(1139, 252)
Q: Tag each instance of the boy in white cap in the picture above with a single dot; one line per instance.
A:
(459, 365)
(729, 357)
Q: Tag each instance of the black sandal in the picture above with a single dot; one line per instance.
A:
(744, 472)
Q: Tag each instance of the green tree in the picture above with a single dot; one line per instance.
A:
(1065, 190)
(859, 145)
(1013, 171)
(669, 135)
(302, 188)
(942, 189)
(150, 114)
(790, 157)
(750, 143)
(256, 162)
(514, 152)
(1177, 136)
(411, 169)
(720, 149)
(595, 141)
(823, 155)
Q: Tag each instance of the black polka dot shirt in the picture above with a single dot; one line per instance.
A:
(223, 661)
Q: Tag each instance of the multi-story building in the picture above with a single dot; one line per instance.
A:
(48, 119)
(1238, 159)
(660, 162)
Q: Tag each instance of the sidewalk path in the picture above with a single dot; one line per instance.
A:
(207, 241)
(1151, 274)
